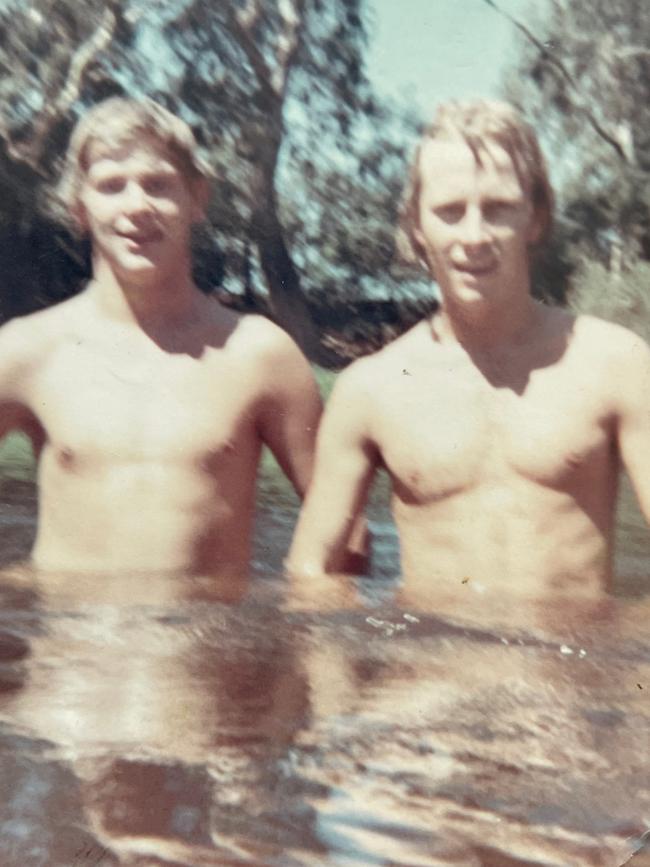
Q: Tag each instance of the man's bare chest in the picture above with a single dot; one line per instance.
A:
(454, 433)
(142, 406)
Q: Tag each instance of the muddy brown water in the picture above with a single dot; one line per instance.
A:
(161, 723)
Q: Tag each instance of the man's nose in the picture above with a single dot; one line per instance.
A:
(136, 200)
(474, 230)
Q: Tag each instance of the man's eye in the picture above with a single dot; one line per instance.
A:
(157, 185)
(449, 213)
(498, 210)
(110, 185)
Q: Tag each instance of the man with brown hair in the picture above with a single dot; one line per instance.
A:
(501, 422)
(147, 402)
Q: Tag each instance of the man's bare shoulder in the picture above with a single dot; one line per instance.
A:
(260, 338)
(368, 379)
(29, 338)
(271, 358)
(390, 361)
(609, 342)
(616, 360)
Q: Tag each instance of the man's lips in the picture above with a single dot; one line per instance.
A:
(138, 239)
(477, 270)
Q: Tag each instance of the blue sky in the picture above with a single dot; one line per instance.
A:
(424, 51)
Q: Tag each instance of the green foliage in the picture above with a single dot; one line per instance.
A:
(325, 380)
(622, 298)
(308, 164)
(17, 458)
(583, 77)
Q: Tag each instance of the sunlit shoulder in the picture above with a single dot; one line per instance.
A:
(612, 343)
(269, 337)
(365, 373)
(29, 336)
(264, 341)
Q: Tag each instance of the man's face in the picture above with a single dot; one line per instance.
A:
(476, 223)
(138, 208)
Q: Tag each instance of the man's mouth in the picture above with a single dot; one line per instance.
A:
(476, 270)
(139, 239)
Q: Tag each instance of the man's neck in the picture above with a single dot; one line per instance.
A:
(167, 298)
(489, 329)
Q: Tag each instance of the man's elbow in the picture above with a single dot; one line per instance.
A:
(313, 586)
(345, 560)
(324, 548)
(305, 561)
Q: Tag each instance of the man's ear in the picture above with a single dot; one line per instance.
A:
(536, 227)
(419, 248)
(79, 217)
(200, 199)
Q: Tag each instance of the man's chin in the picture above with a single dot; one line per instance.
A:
(136, 269)
(475, 285)
(136, 264)
(473, 295)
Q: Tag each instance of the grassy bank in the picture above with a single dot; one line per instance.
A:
(621, 298)
(16, 458)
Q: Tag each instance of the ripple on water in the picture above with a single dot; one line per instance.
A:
(150, 724)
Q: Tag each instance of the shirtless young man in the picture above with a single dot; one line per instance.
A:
(147, 402)
(502, 423)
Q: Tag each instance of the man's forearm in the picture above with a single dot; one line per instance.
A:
(353, 558)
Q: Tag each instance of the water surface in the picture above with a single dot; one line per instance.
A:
(175, 722)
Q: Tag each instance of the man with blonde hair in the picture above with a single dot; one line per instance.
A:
(148, 402)
(501, 422)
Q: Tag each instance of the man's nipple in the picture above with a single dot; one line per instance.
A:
(65, 457)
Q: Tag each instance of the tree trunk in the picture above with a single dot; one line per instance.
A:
(290, 306)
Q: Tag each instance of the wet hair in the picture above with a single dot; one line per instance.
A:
(118, 121)
(478, 122)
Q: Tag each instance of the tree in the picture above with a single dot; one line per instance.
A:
(583, 76)
(276, 93)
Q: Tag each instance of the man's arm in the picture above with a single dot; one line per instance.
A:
(290, 411)
(346, 459)
(15, 364)
(632, 390)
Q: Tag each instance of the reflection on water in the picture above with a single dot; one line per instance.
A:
(171, 722)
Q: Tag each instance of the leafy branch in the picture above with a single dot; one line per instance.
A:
(617, 138)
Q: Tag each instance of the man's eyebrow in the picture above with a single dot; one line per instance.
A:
(500, 198)
(447, 202)
(103, 165)
(167, 173)
(101, 174)
(505, 199)
(166, 168)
